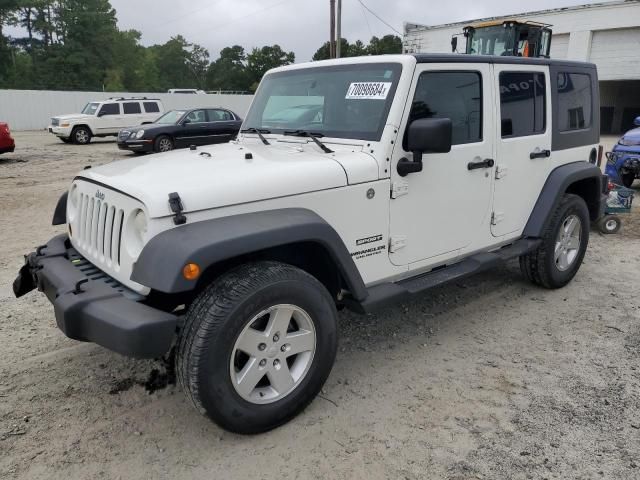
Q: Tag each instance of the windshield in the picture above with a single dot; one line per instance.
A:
(171, 117)
(346, 101)
(490, 40)
(90, 108)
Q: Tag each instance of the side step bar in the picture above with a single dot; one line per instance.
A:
(386, 293)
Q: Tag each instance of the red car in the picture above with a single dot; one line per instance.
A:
(6, 142)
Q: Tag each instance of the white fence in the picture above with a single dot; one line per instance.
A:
(33, 109)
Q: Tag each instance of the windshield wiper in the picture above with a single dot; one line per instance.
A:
(259, 132)
(312, 136)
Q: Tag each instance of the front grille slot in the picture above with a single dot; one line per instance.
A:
(93, 273)
(100, 229)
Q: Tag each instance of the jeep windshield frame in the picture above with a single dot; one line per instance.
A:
(350, 101)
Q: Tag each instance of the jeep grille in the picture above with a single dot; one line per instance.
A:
(55, 122)
(100, 228)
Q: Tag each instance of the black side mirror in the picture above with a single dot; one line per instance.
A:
(100, 114)
(454, 44)
(426, 135)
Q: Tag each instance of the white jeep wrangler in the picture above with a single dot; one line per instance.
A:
(386, 176)
(105, 119)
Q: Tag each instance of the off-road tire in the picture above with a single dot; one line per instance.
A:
(218, 316)
(81, 136)
(65, 140)
(539, 266)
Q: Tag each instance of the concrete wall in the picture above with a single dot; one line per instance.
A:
(33, 109)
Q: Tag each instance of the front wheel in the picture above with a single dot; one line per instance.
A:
(81, 135)
(163, 144)
(257, 346)
(557, 260)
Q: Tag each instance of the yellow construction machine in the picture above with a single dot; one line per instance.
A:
(507, 38)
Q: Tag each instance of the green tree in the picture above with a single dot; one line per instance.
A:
(181, 64)
(376, 46)
(229, 71)
(260, 60)
(86, 30)
(385, 45)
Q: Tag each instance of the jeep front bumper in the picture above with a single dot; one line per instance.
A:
(92, 307)
(64, 132)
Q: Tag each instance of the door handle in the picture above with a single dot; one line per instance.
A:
(486, 163)
(540, 154)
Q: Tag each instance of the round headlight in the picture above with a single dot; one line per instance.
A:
(140, 223)
(136, 232)
(140, 134)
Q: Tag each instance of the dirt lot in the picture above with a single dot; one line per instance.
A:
(487, 378)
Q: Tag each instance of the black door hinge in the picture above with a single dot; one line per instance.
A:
(175, 203)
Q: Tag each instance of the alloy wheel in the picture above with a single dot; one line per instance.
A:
(273, 354)
(568, 242)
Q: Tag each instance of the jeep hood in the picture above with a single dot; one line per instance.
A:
(221, 175)
(73, 116)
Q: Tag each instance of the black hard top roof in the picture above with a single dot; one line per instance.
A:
(465, 58)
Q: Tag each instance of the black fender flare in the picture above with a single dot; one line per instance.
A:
(559, 182)
(60, 213)
(209, 242)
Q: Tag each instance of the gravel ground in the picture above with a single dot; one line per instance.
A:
(489, 377)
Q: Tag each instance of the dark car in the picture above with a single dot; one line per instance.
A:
(180, 129)
(6, 142)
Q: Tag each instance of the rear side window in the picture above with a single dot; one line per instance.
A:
(131, 108)
(151, 107)
(574, 101)
(453, 95)
(110, 109)
(218, 115)
(523, 103)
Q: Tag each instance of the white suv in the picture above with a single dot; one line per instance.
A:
(354, 183)
(105, 118)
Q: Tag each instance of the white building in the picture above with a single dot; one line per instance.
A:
(607, 34)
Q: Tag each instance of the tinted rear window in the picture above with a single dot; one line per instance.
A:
(151, 107)
(574, 101)
(131, 107)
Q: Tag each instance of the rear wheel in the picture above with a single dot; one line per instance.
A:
(556, 261)
(163, 144)
(627, 179)
(257, 346)
(81, 135)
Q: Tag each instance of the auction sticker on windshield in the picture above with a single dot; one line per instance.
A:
(368, 91)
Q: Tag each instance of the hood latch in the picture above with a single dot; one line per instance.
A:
(175, 203)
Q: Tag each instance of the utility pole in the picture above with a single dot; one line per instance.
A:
(332, 26)
(339, 29)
